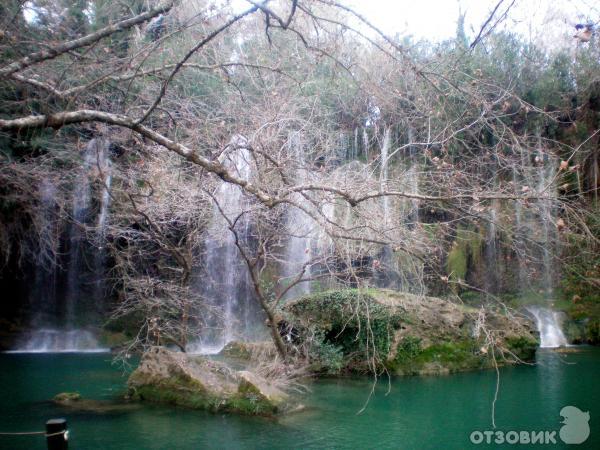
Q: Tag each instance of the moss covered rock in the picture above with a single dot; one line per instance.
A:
(248, 350)
(66, 398)
(356, 331)
(195, 382)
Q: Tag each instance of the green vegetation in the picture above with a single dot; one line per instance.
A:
(435, 337)
(581, 285)
(521, 347)
(347, 328)
(442, 357)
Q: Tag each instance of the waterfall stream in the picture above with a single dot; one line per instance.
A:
(298, 253)
(225, 282)
(59, 319)
(549, 325)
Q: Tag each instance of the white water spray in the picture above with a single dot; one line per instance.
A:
(549, 325)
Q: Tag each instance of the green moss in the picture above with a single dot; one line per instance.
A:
(346, 328)
(249, 400)
(456, 264)
(522, 347)
(189, 393)
(112, 339)
(408, 349)
(441, 357)
(177, 390)
(67, 397)
(465, 253)
(453, 355)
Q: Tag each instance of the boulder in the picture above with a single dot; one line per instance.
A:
(248, 350)
(193, 381)
(66, 398)
(350, 330)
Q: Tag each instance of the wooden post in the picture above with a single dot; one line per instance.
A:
(56, 434)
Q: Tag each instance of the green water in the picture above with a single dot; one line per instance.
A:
(418, 413)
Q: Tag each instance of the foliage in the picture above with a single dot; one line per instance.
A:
(413, 358)
(348, 328)
(581, 284)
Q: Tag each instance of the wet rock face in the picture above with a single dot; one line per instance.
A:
(342, 330)
(175, 378)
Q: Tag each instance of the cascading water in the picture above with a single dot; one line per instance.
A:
(44, 292)
(298, 253)
(100, 239)
(54, 326)
(491, 251)
(549, 326)
(534, 234)
(226, 282)
(386, 274)
(53, 340)
(546, 218)
(383, 176)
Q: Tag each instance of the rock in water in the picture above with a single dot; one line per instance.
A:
(196, 382)
(350, 330)
(66, 398)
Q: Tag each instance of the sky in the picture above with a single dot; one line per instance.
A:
(546, 22)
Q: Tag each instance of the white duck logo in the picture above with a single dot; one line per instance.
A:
(575, 429)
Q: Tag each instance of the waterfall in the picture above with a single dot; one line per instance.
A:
(412, 182)
(548, 325)
(299, 248)
(365, 138)
(534, 236)
(226, 281)
(43, 296)
(96, 166)
(53, 340)
(100, 253)
(82, 194)
(383, 176)
(545, 173)
(518, 237)
(56, 326)
(491, 251)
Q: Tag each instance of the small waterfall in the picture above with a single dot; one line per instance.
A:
(43, 296)
(298, 252)
(52, 340)
(411, 177)
(491, 251)
(82, 195)
(545, 173)
(56, 326)
(519, 238)
(100, 240)
(548, 324)
(383, 176)
(226, 282)
(82, 273)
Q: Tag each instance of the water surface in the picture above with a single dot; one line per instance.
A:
(417, 413)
